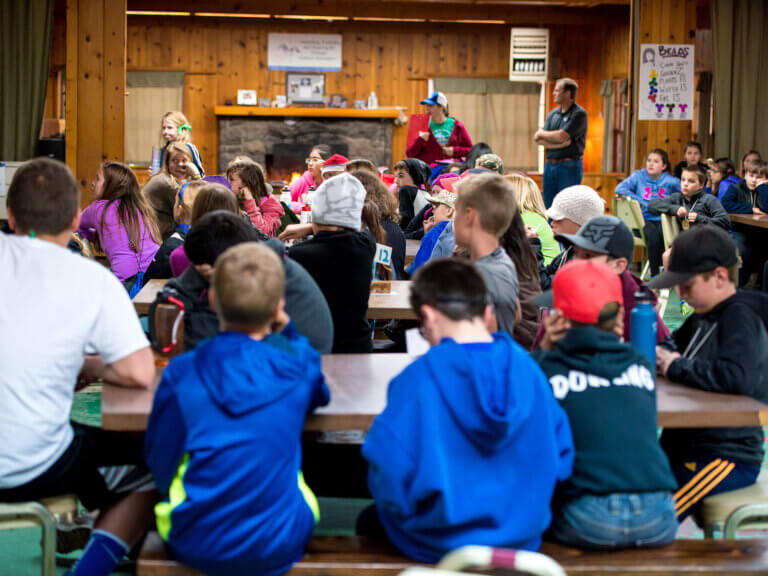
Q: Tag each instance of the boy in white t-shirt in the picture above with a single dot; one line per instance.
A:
(66, 320)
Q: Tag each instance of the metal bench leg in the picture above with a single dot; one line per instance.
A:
(741, 515)
(38, 514)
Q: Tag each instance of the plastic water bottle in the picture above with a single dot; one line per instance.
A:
(643, 328)
(373, 101)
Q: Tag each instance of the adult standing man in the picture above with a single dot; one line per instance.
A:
(564, 136)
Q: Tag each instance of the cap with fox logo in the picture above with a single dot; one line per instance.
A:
(604, 235)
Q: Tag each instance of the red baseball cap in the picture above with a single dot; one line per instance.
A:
(581, 290)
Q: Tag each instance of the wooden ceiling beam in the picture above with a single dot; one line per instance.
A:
(514, 13)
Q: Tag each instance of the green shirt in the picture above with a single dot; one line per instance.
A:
(442, 131)
(549, 246)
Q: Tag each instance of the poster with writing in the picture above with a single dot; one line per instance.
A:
(305, 52)
(666, 82)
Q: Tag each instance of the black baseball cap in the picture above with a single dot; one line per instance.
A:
(605, 235)
(701, 249)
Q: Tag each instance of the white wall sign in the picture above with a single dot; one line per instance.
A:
(304, 52)
(666, 82)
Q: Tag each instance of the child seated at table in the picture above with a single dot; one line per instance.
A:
(472, 442)
(340, 259)
(722, 347)
(182, 216)
(485, 205)
(212, 234)
(56, 307)
(653, 181)
(223, 440)
(609, 240)
(691, 157)
(123, 221)
(607, 389)
(247, 180)
(692, 206)
(160, 191)
(570, 210)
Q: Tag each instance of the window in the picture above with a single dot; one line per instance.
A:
(150, 95)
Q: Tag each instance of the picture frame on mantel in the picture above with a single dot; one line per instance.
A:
(305, 88)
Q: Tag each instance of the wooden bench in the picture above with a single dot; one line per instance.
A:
(353, 556)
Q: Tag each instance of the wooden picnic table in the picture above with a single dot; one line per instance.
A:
(358, 385)
(387, 300)
(756, 220)
(147, 295)
(390, 300)
(411, 248)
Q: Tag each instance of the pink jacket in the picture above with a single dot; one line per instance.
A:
(266, 216)
(430, 151)
(302, 186)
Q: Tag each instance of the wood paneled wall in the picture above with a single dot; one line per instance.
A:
(670, 22)
(220, 56)
(95, 76)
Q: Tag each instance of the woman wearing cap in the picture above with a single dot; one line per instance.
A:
(446, 138)
(312, 177)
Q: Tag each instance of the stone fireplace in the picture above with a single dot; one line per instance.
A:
(282, 144)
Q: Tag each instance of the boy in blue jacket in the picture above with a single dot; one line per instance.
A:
(652, 182)
(223, 439)
(472, 441)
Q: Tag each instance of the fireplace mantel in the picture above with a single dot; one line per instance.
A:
(296, 112)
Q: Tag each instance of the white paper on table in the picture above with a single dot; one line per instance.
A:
(415, 343)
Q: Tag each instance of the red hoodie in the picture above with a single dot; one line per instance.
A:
(430, 151)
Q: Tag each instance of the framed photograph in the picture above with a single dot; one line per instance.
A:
(247, 97)
(338, 101)
(305, 88)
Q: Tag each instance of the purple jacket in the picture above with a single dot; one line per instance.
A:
(115, 242)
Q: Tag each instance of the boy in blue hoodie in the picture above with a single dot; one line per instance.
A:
(223, 439)
(653, 181)
(607, 389)
(472, 441)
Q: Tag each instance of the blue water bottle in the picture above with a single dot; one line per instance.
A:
(643, 326)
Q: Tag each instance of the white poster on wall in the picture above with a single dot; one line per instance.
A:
(305, 52)
(666, 82)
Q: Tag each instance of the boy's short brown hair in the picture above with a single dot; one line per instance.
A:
(700, 174)
(759, 167)
(492, 197)
(248, 282)
(43, 197)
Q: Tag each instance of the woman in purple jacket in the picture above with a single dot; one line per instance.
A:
(446, 138)
(123, 221)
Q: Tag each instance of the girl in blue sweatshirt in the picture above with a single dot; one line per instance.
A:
(652, 182)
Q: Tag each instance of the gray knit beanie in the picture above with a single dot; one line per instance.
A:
(338, 201)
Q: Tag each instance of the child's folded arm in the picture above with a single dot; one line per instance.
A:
(762, 197)
(164, 438)
(731, 204)
(668, 205)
